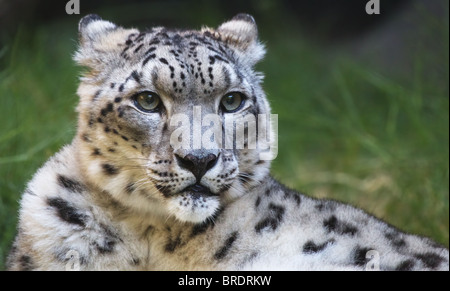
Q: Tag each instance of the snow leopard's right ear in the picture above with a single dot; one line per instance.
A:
(100, 42)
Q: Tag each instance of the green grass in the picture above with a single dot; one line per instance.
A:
(347, 130)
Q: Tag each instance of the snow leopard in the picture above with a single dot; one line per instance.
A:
(132, 193)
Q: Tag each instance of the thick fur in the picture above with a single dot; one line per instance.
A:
(114, 199)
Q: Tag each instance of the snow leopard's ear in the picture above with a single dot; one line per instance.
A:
(241, 33)
(100, 42)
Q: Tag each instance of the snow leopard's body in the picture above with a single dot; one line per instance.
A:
(121, 197)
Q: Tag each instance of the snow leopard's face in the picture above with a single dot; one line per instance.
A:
(152, 115)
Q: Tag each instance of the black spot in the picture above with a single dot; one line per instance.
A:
(96, 95)
(223, 251)
(257, 202)
(140, 37)
(319, 207)
(124, 138)
(96, 152)
(297, 199)
(118, 99)
(121, 112)
(154, 42)
(26, 263)
(227, 77)
(109, 107)
(121, 87)
(359, 256)
(407, 265)
(430, 260)
(294, 196)
(395, 239)
(311, 248)
(334, 225)
(182, 76)
(135, 75)
(273, 220)
(138, 48)
(91, 121)
(172, 245)
(67, 212)
(70, 184)
(99, 120)
(107, 246)
(109, 242)
(164, 61)
(112, 85)
(110, 170)
(219, 58)
(212, 60)
(150, 50)
(348, 229)
(327, 205)
(147, 59)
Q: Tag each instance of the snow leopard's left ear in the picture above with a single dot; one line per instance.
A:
(100, 42)
(241, 33)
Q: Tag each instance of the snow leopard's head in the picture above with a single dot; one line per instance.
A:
(169, 119)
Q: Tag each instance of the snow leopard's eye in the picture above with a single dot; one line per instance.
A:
(232, 102)
(147, 101)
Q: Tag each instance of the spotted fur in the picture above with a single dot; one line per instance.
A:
(120, 197)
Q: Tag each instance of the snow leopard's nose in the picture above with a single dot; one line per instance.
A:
(197, 165)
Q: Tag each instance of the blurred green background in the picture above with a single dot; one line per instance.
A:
(363, 101)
